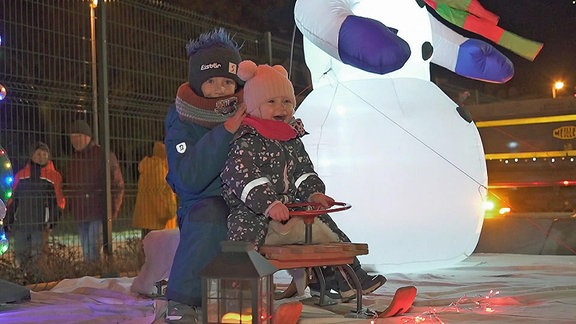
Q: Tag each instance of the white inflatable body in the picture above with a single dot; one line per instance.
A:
(395, 148)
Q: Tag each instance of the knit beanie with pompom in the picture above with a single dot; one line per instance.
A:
(263, 82)
(212, 54)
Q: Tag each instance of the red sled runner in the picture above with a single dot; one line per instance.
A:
(401, 302)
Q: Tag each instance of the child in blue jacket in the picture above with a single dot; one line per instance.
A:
(199, 128)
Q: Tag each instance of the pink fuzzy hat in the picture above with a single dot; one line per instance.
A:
(263, 82)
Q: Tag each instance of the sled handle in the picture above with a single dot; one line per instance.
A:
(309, 213)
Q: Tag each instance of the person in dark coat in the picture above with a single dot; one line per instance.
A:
(85, 184)
(35, 205)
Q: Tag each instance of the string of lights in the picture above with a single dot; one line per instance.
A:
(6, 179)
(462, 304)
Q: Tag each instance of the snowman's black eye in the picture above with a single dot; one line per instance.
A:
(427, 50)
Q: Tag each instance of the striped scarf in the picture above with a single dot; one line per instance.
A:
(471, 16)
(206, 112)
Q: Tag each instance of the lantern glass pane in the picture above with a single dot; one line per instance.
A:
(266, 300)
(231, 301)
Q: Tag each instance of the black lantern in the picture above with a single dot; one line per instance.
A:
(237, 286)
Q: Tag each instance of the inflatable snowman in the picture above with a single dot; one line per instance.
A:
(387, 140)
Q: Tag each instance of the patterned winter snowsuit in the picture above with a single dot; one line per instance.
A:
(261, 172)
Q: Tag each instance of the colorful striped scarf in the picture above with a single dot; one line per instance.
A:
(471, 16)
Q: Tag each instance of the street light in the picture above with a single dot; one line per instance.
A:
(557, 86)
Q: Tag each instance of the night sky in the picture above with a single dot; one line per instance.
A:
(552, 22)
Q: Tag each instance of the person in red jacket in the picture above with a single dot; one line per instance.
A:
(85, 179)
(35, 205)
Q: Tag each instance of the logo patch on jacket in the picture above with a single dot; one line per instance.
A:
(181, 147)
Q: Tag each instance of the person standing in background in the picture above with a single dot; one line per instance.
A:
(35, 205)
(85, 184)
(155, 201)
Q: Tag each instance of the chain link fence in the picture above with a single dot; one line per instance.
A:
(50, 73)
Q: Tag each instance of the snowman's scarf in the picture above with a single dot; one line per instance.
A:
(470, 15)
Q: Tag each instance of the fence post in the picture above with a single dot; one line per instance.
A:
(94, 70)
(268, 47)
(102, 83)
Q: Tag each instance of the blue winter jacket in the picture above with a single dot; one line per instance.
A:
(196, 155)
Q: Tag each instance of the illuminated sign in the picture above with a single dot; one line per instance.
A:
(565, 132)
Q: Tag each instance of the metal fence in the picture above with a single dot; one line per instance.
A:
(52, 74)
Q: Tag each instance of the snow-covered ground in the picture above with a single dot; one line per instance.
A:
(497, 288)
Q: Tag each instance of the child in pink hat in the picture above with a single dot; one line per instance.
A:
(268, 167)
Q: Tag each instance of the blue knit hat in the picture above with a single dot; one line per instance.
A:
(212, 54)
